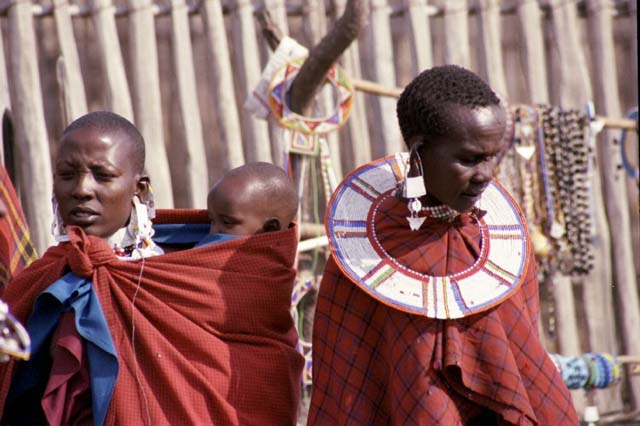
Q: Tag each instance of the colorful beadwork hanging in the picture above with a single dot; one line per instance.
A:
(305, 131)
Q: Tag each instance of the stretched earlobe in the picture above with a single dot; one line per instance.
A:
(145, 194)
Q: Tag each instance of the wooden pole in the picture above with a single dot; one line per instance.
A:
(190, 170)
(33, 163)
(315, 23)
(5, 100)
(255, 134)
(119, 100)
(529, 18)
(224, 95)
(456, 28)
(74, 94)
(600, 26)
(385, 133)
(575, 92)
(278, 11)
(147, 102)
(358, 151)
(491, 49)
(419, 28)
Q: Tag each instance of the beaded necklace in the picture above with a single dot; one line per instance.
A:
(354, 243)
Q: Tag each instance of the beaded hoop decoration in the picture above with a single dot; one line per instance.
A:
(493, 278)
(304, 140)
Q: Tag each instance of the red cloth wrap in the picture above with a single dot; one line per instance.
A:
(376, 365)
(214, 338)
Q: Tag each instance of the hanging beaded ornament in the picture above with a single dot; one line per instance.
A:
(354, 243)
(14, 339)
(567, 142)
(305, 131)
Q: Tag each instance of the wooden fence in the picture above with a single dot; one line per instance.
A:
(181, 71)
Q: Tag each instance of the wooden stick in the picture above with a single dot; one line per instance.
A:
(247, 68)
(193, 159)
(147, 101)
(621, 9)
(385, 133)
(73, 89)
(374, 88)
(108, 43)
(226, 109)
(32, 142)
(614, 190)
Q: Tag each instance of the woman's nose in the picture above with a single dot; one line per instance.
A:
(484, 171)
(83, 186)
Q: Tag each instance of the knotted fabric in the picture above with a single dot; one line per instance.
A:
(214, 341)
(376, 365)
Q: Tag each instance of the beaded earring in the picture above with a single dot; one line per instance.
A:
(413, 187)
(57, 226)
(141, 224)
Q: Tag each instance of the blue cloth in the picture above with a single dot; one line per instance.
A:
(210, 239)
(71, 292)
(180, 233)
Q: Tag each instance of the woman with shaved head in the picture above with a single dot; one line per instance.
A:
(124, 333)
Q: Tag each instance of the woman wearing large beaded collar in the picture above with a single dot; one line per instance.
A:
(427, 312)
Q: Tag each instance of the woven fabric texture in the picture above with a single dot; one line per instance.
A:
(376, 365)
(214, 338)
(16, 249)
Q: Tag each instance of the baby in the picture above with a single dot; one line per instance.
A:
(251, 199)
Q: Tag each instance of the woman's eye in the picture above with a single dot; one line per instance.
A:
(65, 175)
(472, 160)
(103, 176)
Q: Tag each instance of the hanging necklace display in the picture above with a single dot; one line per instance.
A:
(525, 135)
(565, 139)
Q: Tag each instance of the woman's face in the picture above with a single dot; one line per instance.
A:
(95, 179)
(458, 167)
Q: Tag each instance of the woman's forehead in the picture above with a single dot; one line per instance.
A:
(95, 143)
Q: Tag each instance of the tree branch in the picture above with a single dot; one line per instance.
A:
(323, 55)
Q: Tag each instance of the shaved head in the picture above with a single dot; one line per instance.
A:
(260, 190)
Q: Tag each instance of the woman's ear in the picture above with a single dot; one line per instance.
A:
(271, 224)
(143, 189)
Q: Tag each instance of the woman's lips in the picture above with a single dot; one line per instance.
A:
(82, 216)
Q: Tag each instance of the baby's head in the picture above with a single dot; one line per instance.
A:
(251, 199)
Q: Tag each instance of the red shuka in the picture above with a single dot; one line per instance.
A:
(214, 337)
(376, 365)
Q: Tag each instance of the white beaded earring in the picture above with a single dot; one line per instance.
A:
(413, 187)
(57, 226)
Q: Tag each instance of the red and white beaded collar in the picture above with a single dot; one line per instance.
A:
(493, 278)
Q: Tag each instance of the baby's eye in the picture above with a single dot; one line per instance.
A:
(228, 221)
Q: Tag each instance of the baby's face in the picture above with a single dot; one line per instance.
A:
(234, 211)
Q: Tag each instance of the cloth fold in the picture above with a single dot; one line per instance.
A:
(204, 336)
(374, 364)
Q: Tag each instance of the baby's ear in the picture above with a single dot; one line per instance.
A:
(272, 224)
